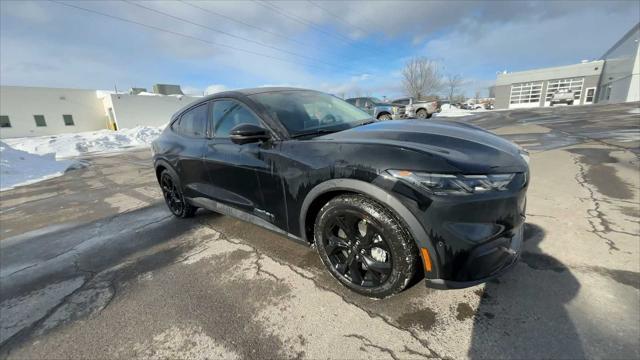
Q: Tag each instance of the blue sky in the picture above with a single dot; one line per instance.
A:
(342, 47)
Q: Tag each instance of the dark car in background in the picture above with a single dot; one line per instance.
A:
(378, 109)
(379, 200)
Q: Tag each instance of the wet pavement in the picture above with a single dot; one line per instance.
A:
(92, 265)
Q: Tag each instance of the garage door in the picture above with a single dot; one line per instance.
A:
(574, 84)
(524, 95)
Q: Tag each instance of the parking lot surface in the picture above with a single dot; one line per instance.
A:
(93, 265)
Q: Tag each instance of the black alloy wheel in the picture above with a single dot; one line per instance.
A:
(173, 197)
(364, 246)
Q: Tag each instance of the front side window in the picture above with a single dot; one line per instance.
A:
(4, 121)
(68, 120)
(227, 114)
(193, 122)
(39, 120)
(301, 111)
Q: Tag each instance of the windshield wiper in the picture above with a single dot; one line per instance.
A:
(314, 132)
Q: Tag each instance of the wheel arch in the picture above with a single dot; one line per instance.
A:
(162, 165)
(323, 192)
(382, 113)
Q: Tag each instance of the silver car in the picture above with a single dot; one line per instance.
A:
(419, 109)
(378, 109)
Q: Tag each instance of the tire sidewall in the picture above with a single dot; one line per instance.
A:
(393, 232)
(422, 114)
(176, 183)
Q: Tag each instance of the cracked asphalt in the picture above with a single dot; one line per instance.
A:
(92, 265)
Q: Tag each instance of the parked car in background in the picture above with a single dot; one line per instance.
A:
(417, 108)
(562, 96)
(378, 109)
(380, 200)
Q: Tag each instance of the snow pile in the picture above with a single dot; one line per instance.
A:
(452, 111)
(18, 167)
(71, 145)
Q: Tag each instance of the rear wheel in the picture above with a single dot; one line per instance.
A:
(364, 246)
(174, 198)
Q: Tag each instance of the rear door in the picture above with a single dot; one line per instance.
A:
(191, 128)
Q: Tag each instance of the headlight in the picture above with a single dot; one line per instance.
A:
(448, 184)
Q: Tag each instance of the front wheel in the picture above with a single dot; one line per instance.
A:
(173, 196)
(422, 114)
(384, 117)
(364, 246)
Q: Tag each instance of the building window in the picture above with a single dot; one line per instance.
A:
(525, 93)
(573, 84)
(68, 120)
(4, 121)
(591, 94)
(39, 120)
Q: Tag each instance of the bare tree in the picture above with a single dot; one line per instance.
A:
(453, 83)
(421, 77)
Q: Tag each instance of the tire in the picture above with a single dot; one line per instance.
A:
(550, 104)
(422, 114)
(570, 103)
(364, 246)
(384, 117)
(174, 198)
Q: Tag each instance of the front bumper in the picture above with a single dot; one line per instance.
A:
(487, 261)
(469, 239)
(398, 116)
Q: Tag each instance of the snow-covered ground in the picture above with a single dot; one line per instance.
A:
(31, 159)
(72, 145)
(452, 111)
(19, 167)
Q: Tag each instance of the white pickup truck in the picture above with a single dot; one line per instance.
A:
(562, 96)
(417, 108)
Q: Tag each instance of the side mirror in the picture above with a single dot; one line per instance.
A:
(248, 133)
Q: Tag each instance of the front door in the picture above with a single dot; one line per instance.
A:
(236, 172)
(590, 95)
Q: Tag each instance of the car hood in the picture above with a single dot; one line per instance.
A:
(465, 147)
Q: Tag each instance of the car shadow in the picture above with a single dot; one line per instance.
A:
(523, 313)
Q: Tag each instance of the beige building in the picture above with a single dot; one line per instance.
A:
(39, 111)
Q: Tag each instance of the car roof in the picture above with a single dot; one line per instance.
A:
(239, 93)
(253, 91)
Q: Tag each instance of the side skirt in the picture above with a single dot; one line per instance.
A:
(241, 215)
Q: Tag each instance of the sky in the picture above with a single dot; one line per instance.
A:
(347, 48)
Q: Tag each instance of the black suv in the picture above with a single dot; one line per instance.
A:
(378, 200)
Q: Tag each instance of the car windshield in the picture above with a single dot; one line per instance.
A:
(309, 112)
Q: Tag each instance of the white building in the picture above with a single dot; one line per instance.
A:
(38, 111)
(620, 80)
(614, 78)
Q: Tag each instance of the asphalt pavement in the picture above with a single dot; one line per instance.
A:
(92, 265)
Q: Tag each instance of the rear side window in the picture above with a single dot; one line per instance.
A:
(193, 122)
(229, 113)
